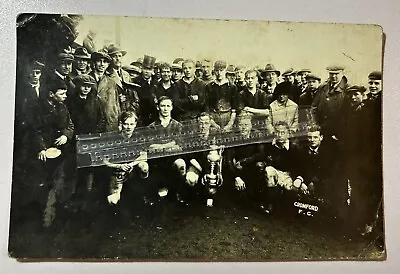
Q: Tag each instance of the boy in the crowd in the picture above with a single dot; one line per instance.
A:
(53, 132)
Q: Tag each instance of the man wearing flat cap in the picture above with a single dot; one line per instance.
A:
(231, 75)
(358, 161)
(199, 70)
(176, 70)
(134, 69)
(107, 89)
(81, 62)
(221, 98)
(288, 76)
(64, 69)
(302, 73)
(329, 100)
(295, 91)
(307, 97)
(147, 98)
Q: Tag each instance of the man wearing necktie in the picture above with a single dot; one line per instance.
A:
(64, 70)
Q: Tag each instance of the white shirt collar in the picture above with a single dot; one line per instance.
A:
(285, 145)
(60, 75)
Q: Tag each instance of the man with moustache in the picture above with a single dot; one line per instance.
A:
(221, 98)
(190, 93)
(147, 97)
(82, 58)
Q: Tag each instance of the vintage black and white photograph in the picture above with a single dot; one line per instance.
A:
(168, 139)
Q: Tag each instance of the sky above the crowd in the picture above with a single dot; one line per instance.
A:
(251, 43)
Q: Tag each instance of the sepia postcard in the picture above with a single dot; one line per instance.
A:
(167, 139)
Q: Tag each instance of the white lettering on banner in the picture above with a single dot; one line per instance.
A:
(306, 206)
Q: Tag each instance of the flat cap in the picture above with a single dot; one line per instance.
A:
(230, 69)
(335, 69)
(375, 75)
(313, 76)
(84, 79)
(303, 70)
(35, 64)
(66, 56)
(132, 68)
(356, 88)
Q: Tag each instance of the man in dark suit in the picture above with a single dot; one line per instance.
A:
(63, 70)
(81, 58)
(147, 99)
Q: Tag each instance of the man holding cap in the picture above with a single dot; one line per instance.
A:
(82, 58)
(221, 98)
(328, 102)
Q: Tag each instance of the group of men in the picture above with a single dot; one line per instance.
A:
(88, 93)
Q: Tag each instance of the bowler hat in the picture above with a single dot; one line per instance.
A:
(220, 64)
(375, 75)
(313, 76)
(282, 88)
(230, 69)
(149, 61)
(335, 69)
(113, 49)
(84, 79)
(271, 68)
(82, 53)
(101, 54)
